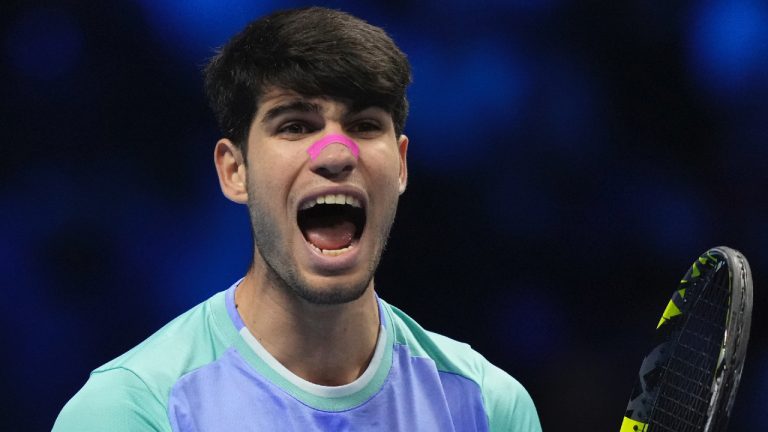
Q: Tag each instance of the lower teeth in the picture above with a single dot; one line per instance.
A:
(331, 252)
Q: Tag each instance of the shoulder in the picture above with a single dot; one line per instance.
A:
(131, 391)
(114, 399)
(195, 338)
(508, 404)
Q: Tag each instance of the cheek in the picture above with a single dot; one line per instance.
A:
(384, 155)
(386, 175)
(274, 171)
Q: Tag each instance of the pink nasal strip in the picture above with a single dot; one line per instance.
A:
(317, 147)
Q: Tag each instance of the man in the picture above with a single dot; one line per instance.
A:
(312, 105)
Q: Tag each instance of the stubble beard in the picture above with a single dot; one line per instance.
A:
(270, 245)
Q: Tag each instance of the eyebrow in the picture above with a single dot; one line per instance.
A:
(296, 105)
(304, 106)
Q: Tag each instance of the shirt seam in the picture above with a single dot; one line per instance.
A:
(132, 372)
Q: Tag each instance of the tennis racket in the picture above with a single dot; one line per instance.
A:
(688, 381)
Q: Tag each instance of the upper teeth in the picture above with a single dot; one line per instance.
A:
(332, 199)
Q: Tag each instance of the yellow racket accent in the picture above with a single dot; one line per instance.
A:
(671, 310)
(695, 272)
(629, 425)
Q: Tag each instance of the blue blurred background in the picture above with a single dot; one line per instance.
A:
(568, 162)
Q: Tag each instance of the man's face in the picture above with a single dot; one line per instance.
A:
(320, 224)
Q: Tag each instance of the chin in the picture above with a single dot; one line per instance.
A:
(330, 293)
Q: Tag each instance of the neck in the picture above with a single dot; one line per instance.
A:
(328, 345)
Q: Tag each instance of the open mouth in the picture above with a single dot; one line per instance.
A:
(332, 223)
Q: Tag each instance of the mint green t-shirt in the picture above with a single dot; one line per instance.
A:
(204, 371)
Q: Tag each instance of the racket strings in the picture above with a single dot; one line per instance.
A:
(684, 395)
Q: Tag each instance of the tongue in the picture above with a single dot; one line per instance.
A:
(331, 237)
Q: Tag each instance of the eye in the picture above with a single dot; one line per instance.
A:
(294, 128)
(366, 128)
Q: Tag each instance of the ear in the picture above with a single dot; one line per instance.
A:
(230, 166)
(402, 147)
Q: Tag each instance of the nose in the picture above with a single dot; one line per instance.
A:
(333, 156)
